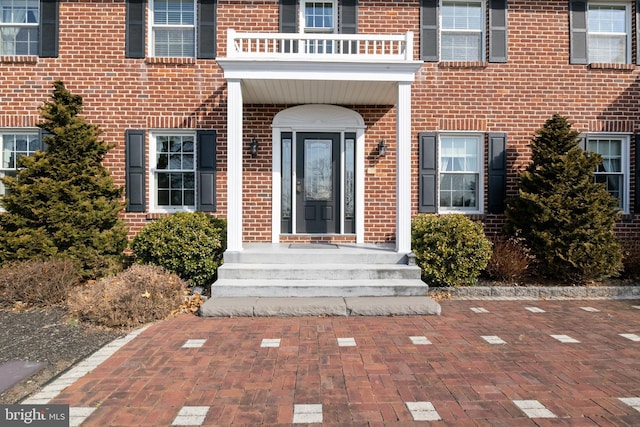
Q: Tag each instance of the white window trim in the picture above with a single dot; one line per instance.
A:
(151, 26)
(628, 25)
(23, 25)
(481, 166)
(13, 131)
(483, 28)
(302, 20)
(153, 202)
(626, 165)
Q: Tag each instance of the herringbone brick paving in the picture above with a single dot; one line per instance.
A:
(468, 380)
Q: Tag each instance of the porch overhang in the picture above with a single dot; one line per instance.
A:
(319, 82)
(290, 69)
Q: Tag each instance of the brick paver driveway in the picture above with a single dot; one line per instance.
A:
(494, 363)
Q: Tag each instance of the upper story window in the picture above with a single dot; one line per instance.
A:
(19, 27)
(460, 172)
(329, 16)
(613, 172)
(319, 17)
(16, 144)
(173, 28)
(601, 32)
(609, 33)
(462, 28)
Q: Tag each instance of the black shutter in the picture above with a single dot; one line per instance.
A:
(636, 204)
(637, 31)
(429, 30)
(206, 33)
(288, 23)
(135, 170)
(49, 28)
(498, 31)
(497, 172)
(349, 17)
(288, 16)
(349, 23)
(135, 29)
(42, 134)
(206, 173)
(578, 31)
(428, 172)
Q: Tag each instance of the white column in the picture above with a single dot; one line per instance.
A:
(276, 186)
(234, 166)
(403, 168)
(360, 186)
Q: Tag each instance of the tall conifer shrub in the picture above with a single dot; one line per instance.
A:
(565, 218)
(63, 202)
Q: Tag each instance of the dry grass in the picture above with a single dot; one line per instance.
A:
(139, 295)
(631, 258)
(509, 260)
(26, 284)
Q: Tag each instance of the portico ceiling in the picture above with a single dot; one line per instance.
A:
(318, 82)
(258, 91)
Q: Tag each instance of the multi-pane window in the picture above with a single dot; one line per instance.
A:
(174, 171)
(19, 27)
(173, 28)
(462, 27)
(319, 17)
(608, 32)
(14, 146)
(612, 171)
(460, 165)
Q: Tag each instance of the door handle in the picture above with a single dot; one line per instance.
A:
(299, 186)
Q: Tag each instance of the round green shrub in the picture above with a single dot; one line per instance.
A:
(187, 244)
(451, 250)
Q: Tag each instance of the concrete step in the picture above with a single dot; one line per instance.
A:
(312, 254)
(356, 306)
(321, 271)
(317, 288)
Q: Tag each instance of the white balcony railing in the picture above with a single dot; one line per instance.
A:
(394, 47)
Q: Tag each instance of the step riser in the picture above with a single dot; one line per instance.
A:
(317, 274)
(282, 290)
(315, 258)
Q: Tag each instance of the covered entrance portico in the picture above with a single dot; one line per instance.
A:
(377, 70)
(318, 172)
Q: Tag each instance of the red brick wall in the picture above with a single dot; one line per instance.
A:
(516, 97)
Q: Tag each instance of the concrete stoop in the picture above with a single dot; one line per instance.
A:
(326, 306)
(318, 280)
(317, 270)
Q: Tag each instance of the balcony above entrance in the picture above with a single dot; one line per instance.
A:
(293, 68)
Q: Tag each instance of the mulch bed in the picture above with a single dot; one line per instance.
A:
(48, 336)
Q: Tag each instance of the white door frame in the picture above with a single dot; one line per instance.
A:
(317, 118)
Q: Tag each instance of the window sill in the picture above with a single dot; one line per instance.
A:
(606, 66)
(170, 61)
(476, 215)
(462, 64)
(18, 59)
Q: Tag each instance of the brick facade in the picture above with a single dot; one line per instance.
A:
(515, 98)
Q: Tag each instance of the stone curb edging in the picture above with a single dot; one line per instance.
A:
(79, 369)
(541, 292)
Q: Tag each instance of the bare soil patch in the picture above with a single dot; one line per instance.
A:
(50, 336)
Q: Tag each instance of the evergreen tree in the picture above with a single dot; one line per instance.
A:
(565, 218)
(63, 202)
